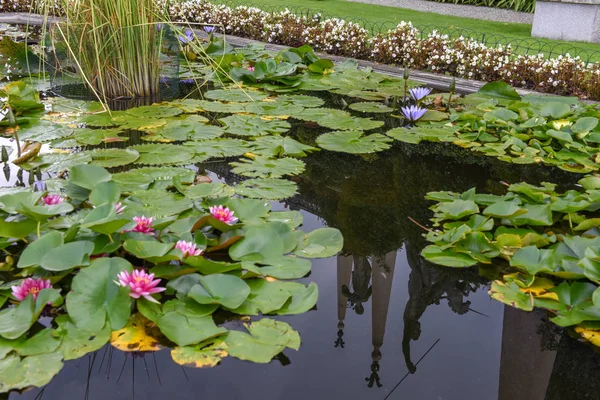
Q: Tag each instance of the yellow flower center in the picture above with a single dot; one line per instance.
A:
(34, 290)
(139, 279)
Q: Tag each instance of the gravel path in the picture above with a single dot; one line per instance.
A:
(458, 10)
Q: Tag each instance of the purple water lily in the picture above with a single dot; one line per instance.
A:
(413, 113)
(187, 38)
(186, 81)
(159, 27)
(209, 29)
(419, 92)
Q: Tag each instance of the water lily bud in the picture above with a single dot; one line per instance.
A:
(453, 85)
(11, 118)
(4, 154)
(406, 73)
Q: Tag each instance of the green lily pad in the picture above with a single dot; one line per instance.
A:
(249, 125)
(96, 299)
(353, 142)
(267, 338)
(370, 107)
(109, 158)
(264, 167)
(265, 188)
(159, 111)
(238, 95)
(158, 154)
(226, 290)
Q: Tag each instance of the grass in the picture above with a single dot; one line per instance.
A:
(375, 17)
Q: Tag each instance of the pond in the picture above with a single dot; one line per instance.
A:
(388, 322)
(398, 314)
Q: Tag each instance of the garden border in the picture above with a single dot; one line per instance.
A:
(436, 81)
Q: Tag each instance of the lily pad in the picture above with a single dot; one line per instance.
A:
(370, 107)
(353, 142)
(249, 125)
(158, 154)
(264, 167)
(266, 188)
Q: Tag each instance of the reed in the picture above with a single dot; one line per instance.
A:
(115, 45)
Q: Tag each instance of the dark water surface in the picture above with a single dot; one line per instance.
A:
(388, 325)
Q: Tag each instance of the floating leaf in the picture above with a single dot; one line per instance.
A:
(157, 154)
(370, 107)
(186, 324)
(203, 355)
(139, 334)
(156, 111)
(269, 189)
(279, 146)
(36, 370)
(264, 167)
(267, 338)
(353, 142)
(109, 158)
(77, 342)
(249, 125)
(240, 95)
(226, 290)
(320, 243)
(95, 299)
(67, 256)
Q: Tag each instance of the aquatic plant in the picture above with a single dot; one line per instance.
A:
(140, 283)
(544, 243)
(194, 266)
(498, 122)
(413, 113)
(223, 214)
(419, 93)
(115, 45)
(30, 286)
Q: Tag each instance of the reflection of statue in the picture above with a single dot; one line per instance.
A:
(428, 284)
(361, 279)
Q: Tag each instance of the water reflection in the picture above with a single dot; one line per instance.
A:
(388, 324)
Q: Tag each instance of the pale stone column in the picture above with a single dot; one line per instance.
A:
(383, 275)
(567, 20)
(525, 368)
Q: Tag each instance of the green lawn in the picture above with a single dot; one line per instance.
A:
(519, 35)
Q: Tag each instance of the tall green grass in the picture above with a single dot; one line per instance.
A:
(114, 44)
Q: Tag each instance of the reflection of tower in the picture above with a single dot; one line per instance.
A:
(344, 272)
(380, 275)
(383, 276)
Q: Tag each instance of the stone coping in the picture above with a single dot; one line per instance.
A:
(588, 2)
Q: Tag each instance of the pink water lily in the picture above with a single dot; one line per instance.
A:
(143, 225)
(140, 283)
(188, 248)
(223, 214)
(30, 286)
(251, 69)
(52, 199)
(120, 208)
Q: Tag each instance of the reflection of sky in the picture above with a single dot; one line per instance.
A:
(463, 365)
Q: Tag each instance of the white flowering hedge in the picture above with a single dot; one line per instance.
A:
(403, 45)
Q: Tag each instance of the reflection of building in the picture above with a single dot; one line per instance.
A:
(360, 278)
(379, 271)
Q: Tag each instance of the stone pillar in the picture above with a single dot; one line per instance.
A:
(525, 367)
(567, 20)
